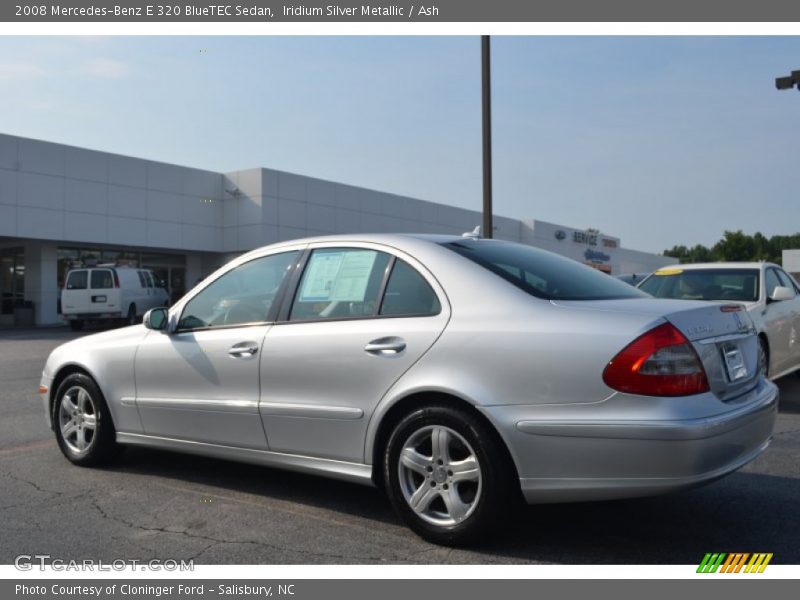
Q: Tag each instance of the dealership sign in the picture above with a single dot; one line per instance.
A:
(590, 237)
(596, 255)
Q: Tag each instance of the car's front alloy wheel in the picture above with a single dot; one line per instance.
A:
(84, 430)
(77, 419)
(447, 476)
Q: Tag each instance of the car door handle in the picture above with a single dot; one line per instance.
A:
(386, 346)
(243, 349)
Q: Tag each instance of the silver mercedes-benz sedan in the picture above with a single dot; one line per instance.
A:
(457, 373)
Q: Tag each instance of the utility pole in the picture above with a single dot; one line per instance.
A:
(488, 228)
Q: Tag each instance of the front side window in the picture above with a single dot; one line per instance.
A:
(541, 273)
(771, 281)
(243, 295)
(786, 281)
(340, 283)
(408, 294)
(77, 280)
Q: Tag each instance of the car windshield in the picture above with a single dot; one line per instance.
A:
(541, 273)
(704, 284)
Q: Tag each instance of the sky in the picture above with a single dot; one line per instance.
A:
(656, 140)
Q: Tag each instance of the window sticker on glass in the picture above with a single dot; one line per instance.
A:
(353, 277)
(321, 277)
(338, 276)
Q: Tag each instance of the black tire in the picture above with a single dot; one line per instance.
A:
(76, 324)
(491, 500)
(132, 319)
(763, 356)
(100, 443)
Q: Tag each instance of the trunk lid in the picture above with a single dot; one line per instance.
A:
(723, 335)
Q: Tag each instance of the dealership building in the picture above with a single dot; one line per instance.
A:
(63, 206)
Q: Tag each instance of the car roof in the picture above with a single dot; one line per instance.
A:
(389, 239)
(718, 265)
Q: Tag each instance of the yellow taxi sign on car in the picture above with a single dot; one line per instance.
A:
(672, 271)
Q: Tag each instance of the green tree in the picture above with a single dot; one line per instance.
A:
(735, 246)
(695, 254)
(739, 247)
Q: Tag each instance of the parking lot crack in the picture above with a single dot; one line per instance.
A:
(218, 541)
(34, 485)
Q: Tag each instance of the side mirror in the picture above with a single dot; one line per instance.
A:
(156, 319)
(781, 293)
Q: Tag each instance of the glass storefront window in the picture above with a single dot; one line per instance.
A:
(170, 269)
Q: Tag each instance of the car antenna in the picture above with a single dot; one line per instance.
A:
(475, 234)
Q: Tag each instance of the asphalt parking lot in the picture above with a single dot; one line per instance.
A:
(160, 505)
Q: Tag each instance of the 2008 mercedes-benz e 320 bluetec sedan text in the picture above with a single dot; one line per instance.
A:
(455, 372)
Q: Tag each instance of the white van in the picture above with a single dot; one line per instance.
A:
(104, 292)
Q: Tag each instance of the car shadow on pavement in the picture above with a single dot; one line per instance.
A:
(744, 512)
(341, 496)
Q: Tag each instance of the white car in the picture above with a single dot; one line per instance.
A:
(771, 296)
(110, 293)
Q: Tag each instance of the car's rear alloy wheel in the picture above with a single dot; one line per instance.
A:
(84, 430)
(132, 319)
(446, 476)
(76, 324)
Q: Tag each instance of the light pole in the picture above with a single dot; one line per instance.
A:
(488, 227)
(787, 83)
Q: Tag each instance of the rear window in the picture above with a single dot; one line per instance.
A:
(541, 273)
(102, 280)
(704, 284)
(76, 280)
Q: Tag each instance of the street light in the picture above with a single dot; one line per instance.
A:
(787, 83)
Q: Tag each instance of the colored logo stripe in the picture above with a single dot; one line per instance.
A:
(758, 563)
(734, 562)
(710, 563)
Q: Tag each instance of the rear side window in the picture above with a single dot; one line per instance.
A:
(340, 283)
(541, 273)
(102, 280)
(149, 278)
(77, 280)
(407, 293)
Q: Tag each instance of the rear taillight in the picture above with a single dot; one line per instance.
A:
(661, 362)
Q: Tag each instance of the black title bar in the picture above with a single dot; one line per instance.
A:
(492, 11)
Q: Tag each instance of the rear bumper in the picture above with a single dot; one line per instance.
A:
(575, 459)
(94, 316)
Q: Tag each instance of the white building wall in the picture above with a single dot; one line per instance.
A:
(52, 195)
(791, 261)
(55, 192)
